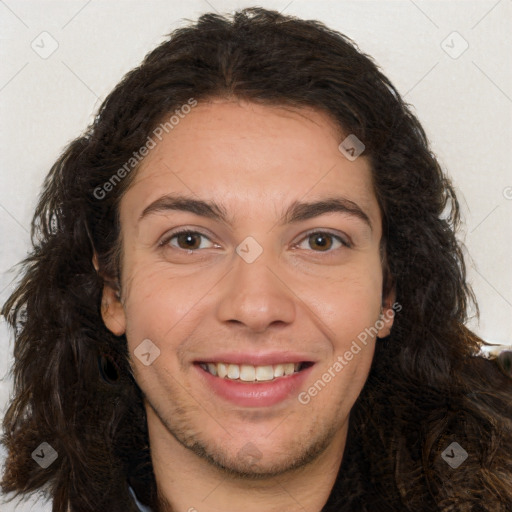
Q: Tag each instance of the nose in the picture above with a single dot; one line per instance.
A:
(254, 295)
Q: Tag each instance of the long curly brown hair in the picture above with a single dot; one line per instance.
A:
(73, 387)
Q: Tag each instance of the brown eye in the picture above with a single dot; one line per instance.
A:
(189, 241)
(320, 241)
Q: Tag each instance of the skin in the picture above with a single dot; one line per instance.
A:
(298, 295)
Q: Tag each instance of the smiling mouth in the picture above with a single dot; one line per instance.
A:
(250, 373)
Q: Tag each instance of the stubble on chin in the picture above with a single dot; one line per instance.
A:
(248, 464)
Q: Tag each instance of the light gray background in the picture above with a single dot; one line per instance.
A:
(464, 101)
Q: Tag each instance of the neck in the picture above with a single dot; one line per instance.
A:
(187, 482)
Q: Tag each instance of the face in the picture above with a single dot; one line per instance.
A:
(250, 247)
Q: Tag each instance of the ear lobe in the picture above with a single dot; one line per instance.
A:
(112, 311)
(387, 316)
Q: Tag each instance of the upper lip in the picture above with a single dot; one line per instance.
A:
(257, 359)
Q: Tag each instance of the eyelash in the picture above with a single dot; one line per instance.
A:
(168, 238)
(345, 243)
(171, 236)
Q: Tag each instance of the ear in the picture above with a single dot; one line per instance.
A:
(387, 317)
(112, 310)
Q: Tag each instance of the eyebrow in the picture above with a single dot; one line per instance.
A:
(296, 212)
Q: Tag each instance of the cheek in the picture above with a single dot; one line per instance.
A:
(338, 382)
(151, 303)
(164, 307)
(356, 370)
(351, 308)
(348, 303)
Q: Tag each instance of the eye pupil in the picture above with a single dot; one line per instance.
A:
(188, 241)
(322, 241)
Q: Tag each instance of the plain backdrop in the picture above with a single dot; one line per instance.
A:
(449, 59)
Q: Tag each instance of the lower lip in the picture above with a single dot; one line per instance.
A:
(255, 394)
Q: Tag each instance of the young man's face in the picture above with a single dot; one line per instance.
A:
(263, 284)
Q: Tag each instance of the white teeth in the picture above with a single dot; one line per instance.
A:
(264, 373)
(247, 373)
(233, 371)
(278, 370)
(289, 368)
(250, 373)
(222, 370)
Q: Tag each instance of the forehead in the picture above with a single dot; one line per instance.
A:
(245, 154)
